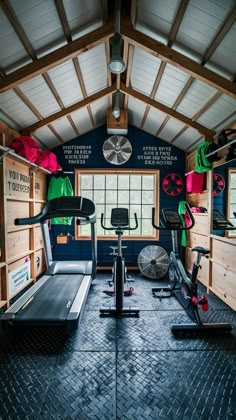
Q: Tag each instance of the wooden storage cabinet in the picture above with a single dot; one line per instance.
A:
(224, 284)
(194, 239)
(22, 194)
(201, 223)
(223, 262)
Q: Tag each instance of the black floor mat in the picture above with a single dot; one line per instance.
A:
(118, 369)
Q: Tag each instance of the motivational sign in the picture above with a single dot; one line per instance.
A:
(157, 155)
(77, 154)
(19, 278)
(18, 182)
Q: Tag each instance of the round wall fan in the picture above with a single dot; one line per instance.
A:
(172, 184)
(153, 262)
(218, 184)
(117, 150)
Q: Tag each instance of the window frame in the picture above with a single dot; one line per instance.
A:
(106, 171)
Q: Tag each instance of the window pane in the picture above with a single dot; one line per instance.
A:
(99, 182)
(135, 197)
(148, 197)
(135, 182)
(109, 208)
(111, 182)
(86, 182)
(123, 182)
(85, 230)
(148, 182)
(147, 229)
(111, 197)
(147, 211)
(123, 197)
(99, 197)
(99, 210)
(135, 208)
(87, 194)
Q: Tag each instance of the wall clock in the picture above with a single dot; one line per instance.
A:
(172, 184)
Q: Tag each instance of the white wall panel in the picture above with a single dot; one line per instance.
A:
(82, 120)
(196, 97)
(12, 50)
(66, 82)
(144, 71)
(154, 120)
(64, 129)
(47, 137)
(94, 69)
(170, 130)
(185, 140)
(15, 107)
(99, 111)
(218, 111)
(136, 111)
(40, 21)
(41, 96)
(172, 83)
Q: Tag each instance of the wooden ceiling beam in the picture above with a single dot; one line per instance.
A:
(59, 56)
(169, 111)
(176, 59)
(66, 111)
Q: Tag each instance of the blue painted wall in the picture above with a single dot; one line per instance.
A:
(140, 158)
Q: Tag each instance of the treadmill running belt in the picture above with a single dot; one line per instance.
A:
(52, 301)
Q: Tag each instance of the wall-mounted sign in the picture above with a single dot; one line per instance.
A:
(77, 154)
(19, 278)
(157, 155)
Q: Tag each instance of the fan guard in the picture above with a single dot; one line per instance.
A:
(153, 262)
(117, 150)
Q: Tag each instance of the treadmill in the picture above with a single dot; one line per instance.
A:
(58, 297)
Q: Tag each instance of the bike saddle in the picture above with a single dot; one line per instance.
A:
(202, 250)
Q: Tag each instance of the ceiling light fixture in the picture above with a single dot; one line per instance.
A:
(116, 64)
(116, 107)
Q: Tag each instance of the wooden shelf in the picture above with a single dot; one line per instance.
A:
(22, 200)
(11, 152)
(19, 256)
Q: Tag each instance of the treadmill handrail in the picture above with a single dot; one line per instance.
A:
(62, 207)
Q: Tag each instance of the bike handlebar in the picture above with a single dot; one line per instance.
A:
(166, 227)
(120, 227)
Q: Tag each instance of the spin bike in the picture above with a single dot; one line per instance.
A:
(182, 286)
(119, 222)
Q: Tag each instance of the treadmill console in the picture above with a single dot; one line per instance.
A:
(171, 218)
(220, 222)
(119, 217)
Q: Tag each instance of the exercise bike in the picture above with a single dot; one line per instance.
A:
(182, 286)
(111, 282)
(119, 223)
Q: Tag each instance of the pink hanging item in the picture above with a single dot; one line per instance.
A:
(195, 182)
(26, 147)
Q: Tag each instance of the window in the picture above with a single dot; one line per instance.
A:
(231, 200)
(134, 189)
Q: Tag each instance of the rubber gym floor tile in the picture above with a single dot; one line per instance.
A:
(141, 334)
(170, 385)
(94, 334)
(82, 388)
(196, 341)
(24, 381)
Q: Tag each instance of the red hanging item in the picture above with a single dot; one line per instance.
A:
(48, 160)
(26, 147)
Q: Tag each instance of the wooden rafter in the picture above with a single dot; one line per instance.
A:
(173, 57)
(59, 56)
(177, 22)
(172, 113)
(64, 112)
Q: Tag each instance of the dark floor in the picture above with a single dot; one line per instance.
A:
(130, 368)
